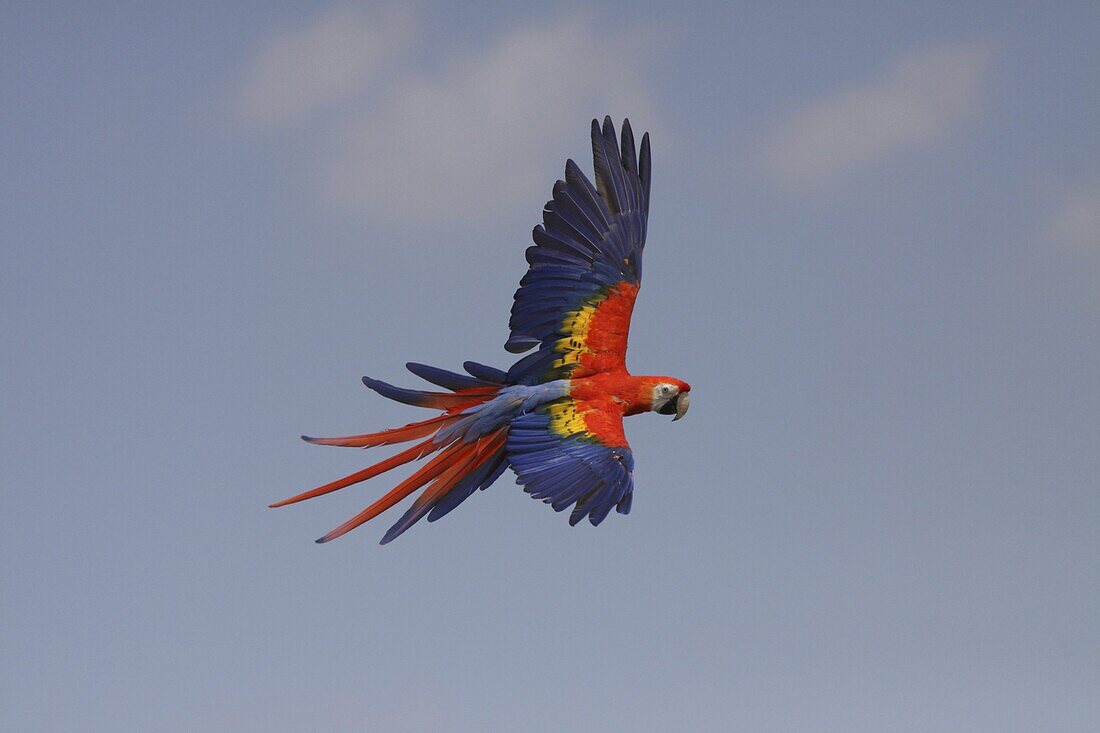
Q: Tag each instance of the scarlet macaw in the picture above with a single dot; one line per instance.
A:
(556, 416)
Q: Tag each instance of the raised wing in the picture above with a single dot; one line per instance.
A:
(575, 301)
(573, 452)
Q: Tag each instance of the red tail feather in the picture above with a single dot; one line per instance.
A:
(443, 472)
(477, 453)
(426, 473)
(386, 437)
(457, 400)
(417, 451)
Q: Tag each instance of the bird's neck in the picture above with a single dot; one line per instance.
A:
(618, 389)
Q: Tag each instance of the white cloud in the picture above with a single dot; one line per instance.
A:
(467, 139)
(912, 103)
(462, 143)
(297, 72)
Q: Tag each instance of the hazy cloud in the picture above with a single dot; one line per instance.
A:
(477, 136)
(912, 102)
(471, 136)
(297, 72)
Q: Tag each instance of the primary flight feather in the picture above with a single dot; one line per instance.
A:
(556, 416)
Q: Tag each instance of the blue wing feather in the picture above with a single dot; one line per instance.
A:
(487, 373)
(565, 471)
(591, 238)
(644, 172)
(585, 192)
(607, 167)
(445, 379)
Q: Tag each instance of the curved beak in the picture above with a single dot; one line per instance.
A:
(676, 405)
(682, 401)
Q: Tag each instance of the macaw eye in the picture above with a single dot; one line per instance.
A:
(665, 389)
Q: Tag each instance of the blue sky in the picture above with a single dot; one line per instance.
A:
(874, 253)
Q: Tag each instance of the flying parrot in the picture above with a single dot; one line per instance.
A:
(556, 416)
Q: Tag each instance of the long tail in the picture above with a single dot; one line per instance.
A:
(463, 464)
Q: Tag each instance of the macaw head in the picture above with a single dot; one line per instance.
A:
(671, 397)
